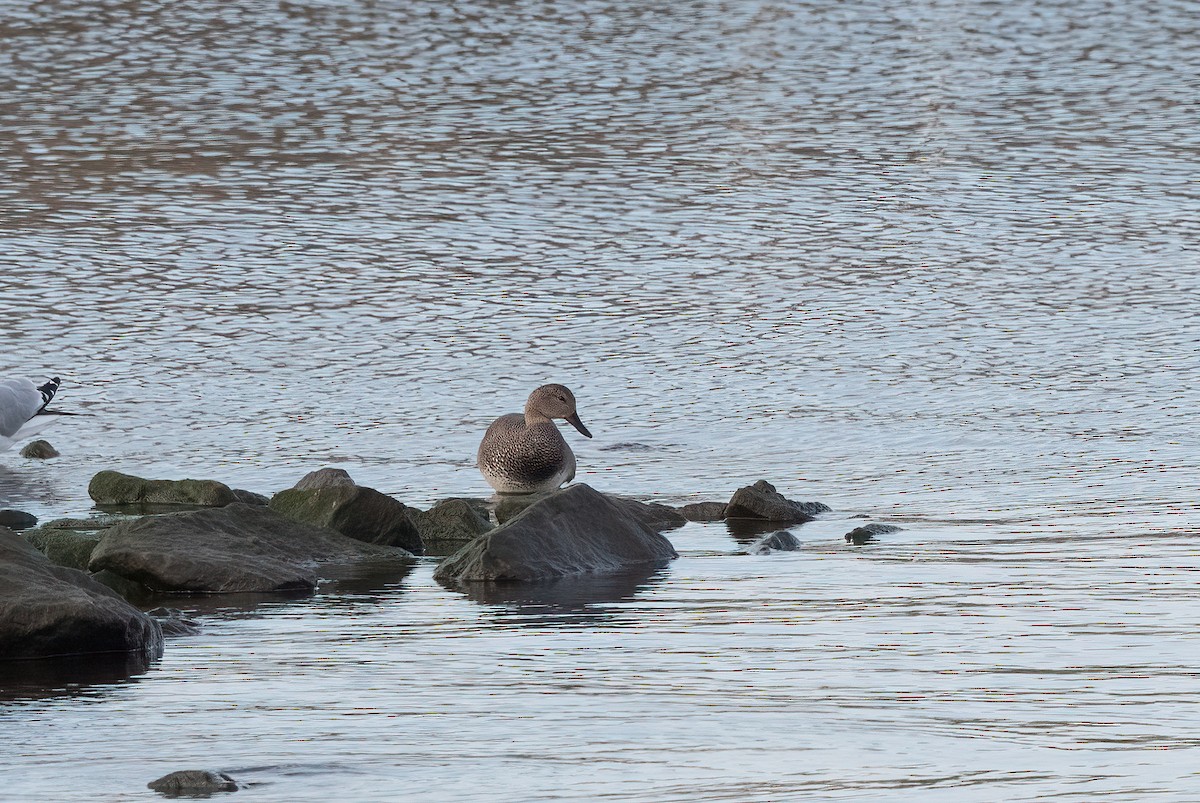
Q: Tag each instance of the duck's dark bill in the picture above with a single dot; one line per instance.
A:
(573, 419)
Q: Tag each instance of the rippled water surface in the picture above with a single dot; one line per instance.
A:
(933, 263)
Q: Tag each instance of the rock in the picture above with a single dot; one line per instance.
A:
(249, 497)
(70, 548)
(224, 550)
(509, 506)
(130, 590)
(17, 519)
(48, 610)
(39, 450)
(779, 541)
(95, 524)
(324, 478)
(861, 535)
(762, 501)
(703, 511)
(194, 783)
(574, 531)
(174, 622)
(449, 524)
(655, 514)
(115, 488)
(363, 514)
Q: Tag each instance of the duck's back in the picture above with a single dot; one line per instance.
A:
(515, 458)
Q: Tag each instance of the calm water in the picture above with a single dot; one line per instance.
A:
(933, 263)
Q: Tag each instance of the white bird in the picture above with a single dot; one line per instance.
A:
(20, 402)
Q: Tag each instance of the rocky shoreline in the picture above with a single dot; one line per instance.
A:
(77, 586)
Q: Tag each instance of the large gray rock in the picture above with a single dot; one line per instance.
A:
(115, 488)
(324, 478)
(224, 550)
(193, 783)
(48, 610)
(363, 514)
(577, 530)
(762, 501)
(449, 524)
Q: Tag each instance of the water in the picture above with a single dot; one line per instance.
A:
(931, 264)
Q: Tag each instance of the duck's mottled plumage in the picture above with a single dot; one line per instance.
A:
(525, 452)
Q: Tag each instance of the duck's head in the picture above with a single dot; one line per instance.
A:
(556, 401)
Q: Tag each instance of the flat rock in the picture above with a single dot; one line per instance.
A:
(39, 450)
(574, 531)
(225, 550)
(703, 511)
(17, 519)
(115, 488)
(48, 610)
(357, 512)
(762, 501)
(194, 783)
(779, 541)
(861, 535)
(324, 478)
(655, 514)
(450, 523)
(71, 548)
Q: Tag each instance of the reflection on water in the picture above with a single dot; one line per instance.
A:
(69, 676)
(570, 602)
(929, 262)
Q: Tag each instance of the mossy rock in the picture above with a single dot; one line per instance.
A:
(115, 488)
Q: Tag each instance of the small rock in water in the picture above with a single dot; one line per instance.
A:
(780, 541)
(357, 511)
(449, 524)
(174, 622)
(861, 535)
(17, 519)
(39, 450)
(194, 783)
(704, 511)
(762, 501)
(115, 488)
(324, 478)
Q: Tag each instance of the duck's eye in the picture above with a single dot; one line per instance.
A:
(562, 398)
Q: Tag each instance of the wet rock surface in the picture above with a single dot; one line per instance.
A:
(780, 541)
(762, 501)
(574, 531)
(703, 511)
(193, 783)
(17, 519)
(115, 488)
(324, 478)
(48, 610)
(70, 548)
(654, 514)
(450, 523)
(226, 550)
(355, 511)
(868, 532)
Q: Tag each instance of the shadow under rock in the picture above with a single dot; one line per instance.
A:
(747, 531)
(70, 675)
(576, 601)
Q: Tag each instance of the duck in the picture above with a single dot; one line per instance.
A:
(20, 402)
(524, 453)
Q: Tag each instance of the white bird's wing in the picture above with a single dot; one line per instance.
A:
(20, 401)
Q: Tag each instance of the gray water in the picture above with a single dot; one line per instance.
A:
(933, 264)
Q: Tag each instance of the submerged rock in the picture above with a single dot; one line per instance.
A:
(363, 514)
(449, 524)
(223, 550)
(577, 530)
(762, 501)
(115, 488)
(70, 548)
(174, 622)
(703, 511)
(194, 783)
(324, 478)
(39, 450)
(861, 535)
(779, 541)
(48, 610)
(17, 519)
